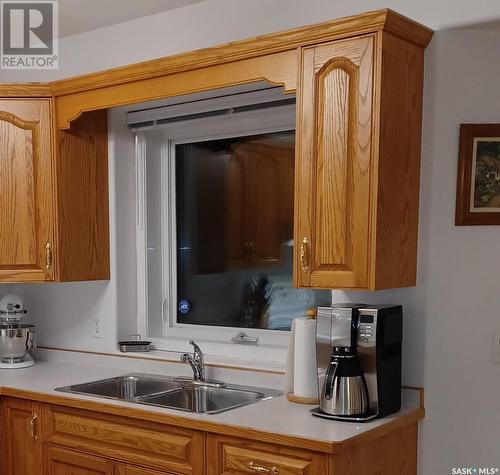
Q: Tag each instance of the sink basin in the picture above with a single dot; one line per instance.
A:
(203, 399)
(164, 391)
(123, 387)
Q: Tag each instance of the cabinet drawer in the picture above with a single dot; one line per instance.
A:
(142, 443)
(131, 470)
(239, 456)
(57, 461)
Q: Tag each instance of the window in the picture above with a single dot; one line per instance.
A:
(215, 224)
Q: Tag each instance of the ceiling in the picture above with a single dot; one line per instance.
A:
(78, 16)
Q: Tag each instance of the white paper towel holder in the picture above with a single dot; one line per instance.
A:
(311, 313)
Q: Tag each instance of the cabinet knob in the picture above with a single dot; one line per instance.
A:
(304, 255)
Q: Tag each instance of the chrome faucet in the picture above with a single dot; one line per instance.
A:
(195, 361)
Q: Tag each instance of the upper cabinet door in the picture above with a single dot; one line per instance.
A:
(334, 149)
(26, 191)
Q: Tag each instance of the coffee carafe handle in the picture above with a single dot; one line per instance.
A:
(330, 379)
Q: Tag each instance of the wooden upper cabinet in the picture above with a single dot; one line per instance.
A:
(358, 163)
(26, 191)
(334, 163)
(358, 82)
(53, 200)
(83, 199)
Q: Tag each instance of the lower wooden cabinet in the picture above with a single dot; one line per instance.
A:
(229, 455)
(58, 461)
(141, 443)
(132, 470)
(21, 442)
(45, 439)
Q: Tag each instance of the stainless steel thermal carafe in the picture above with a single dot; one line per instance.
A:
(344, 391)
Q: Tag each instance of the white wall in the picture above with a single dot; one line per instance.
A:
(451, 312)
(64, 314)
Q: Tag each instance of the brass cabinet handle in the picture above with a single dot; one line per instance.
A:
(48, 256)
(33, 427)
(304, 254)
(257, 468)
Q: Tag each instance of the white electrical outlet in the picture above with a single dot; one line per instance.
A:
(97, 331)
(495, 347)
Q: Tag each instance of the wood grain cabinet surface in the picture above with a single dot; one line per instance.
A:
(358, 82)
(157, 446)
(122, 469)
(26, 190)
(358, 163)
(39, 438)
(21, 440)
(229, 455)
(53, 201)
(59, 461)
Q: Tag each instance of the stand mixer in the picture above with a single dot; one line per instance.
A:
(17, 340)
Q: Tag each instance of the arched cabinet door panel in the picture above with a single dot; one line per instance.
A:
(26, 191)
(334, 163)
(359, 122)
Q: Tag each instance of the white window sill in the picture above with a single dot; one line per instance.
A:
(268, 366)
(256, 357)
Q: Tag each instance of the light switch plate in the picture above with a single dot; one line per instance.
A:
(495, 346)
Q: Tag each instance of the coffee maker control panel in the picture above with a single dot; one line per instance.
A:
(366, 328)
(365, 333)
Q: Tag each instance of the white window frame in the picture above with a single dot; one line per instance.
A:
(216, 339)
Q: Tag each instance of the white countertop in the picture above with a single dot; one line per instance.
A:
(277, 416)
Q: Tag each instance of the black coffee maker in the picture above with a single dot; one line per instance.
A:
(359, 346)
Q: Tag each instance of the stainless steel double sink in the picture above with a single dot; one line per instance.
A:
(173, 393)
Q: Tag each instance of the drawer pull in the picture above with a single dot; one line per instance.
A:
(33, 427)
(259, 469)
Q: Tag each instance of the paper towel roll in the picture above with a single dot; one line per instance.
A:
(301, 377)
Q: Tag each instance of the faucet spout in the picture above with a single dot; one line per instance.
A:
(196, 362)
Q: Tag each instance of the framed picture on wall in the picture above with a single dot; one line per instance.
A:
(478, 183)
